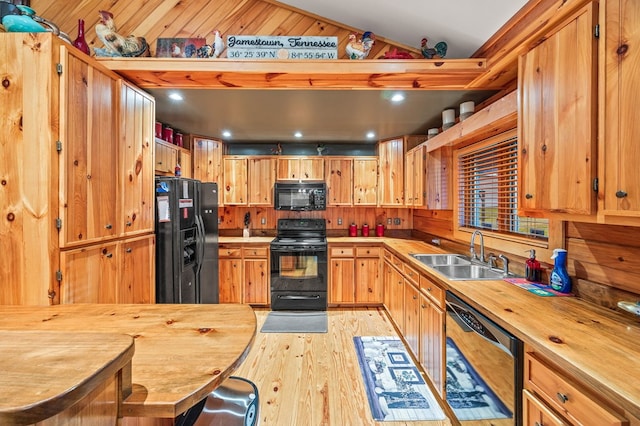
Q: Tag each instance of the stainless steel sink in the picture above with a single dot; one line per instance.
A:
(469, 272)
(442, 259)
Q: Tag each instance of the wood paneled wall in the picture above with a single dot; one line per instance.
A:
(232, 219)
(155, 19)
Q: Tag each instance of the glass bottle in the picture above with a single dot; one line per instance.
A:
(80, 42)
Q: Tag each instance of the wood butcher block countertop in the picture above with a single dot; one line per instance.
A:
(44, 372)
(182, 352)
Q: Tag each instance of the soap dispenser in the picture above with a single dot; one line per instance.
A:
(533, 272)
(559, 278)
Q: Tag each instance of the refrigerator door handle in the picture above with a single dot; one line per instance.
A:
(200, 231)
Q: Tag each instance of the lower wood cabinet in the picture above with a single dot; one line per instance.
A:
(432, 341)
(244, 274)
(115, 272)
(553, 397)
(355, 275)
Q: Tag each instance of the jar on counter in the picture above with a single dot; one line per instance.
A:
(353, 230)
(379, 230)
(365, 230)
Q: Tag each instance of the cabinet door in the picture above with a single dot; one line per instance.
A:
(439, 176)
(557, 119)
(262, 176)
(536, 413)
(396, 298)
(312, 168)
(235, 181)
(256, 281)
(341, 280)
(90, 157)
(138, 272)
(184, 159)
(412, 317)
(207, 159)
(409, 179)
(288, 169)
(89, 274)
(369, 283)
(230, 280)
(419, 177)
(619, 151)
(339, 181)
(432, 346)
(137, 112)
(391, 179)
(365, 181)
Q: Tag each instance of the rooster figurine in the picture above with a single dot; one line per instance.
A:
(214, 50)
(114, 43)
(359, 49)
(436, 52)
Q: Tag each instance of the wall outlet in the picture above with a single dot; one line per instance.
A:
(389, 220)
(263, 221)
(339, 221)
(396, 221)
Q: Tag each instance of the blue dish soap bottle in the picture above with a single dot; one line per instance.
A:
(559, 278)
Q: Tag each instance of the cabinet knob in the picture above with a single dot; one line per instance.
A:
(415, 297)
(109, 255)
(537, 424)
(528, 196)
(109, 226)
(128, 250)
(621, 194)
(562, 397)
(129, 223)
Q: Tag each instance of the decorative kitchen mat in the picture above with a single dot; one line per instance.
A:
(467, 393)
(536, 288)
(394, 386)
(295, 322)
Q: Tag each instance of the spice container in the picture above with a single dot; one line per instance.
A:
(379, 230)
(365, 230)
(353, 230)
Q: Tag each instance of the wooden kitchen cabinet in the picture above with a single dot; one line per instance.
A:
(137, 117)
(355, 275)
(207, 158)
(564, 397)
(89, 154)
(256, 275)
(557, 119)
(619, 126)
(415, 177)
(234, 187)
(412, 315)
(536, 413)
(365, 181)
(339, 175)
(230, 274)
(166, 158)
(186, 163)
(262, 176)
(432, 338)
(439, 179)
(137, 276)
(391, 177)
(300, 168)
(393, 285)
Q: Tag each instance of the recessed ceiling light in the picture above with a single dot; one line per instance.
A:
(226, 134)
(371, 135)
(398, 97)
(298, 134)
(176, 96)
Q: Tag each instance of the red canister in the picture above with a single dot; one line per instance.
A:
(353, 230)
(167, 134)
(365, 230)
(379, 230)
(177, 139)
(158, 130)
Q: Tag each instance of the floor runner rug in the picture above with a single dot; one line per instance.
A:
(467, 393)
(295, 322)
(394, 386)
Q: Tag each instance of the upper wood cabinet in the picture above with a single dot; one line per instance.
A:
(137, 115)
(339, 173)
(88, 134)
(391, 177)
(234, 187)
(365, 181)
(206, 157)
(262, 176)
(415, 177)
(439, 179)
(620, 126)
(300, 168)
(557, 119)
(166, 158)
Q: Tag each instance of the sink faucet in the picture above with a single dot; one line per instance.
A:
(505, 264)
(472, 249)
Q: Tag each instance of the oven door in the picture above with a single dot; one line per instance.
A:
(484, 367)
(298, 278)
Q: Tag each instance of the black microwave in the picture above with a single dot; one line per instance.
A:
(301, 196)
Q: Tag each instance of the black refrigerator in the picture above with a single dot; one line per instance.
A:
(186, 241)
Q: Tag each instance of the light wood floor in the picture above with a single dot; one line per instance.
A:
(314, 378)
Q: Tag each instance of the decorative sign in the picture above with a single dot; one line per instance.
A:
(281, 47)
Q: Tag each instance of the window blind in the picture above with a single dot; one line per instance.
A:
(488, 190)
